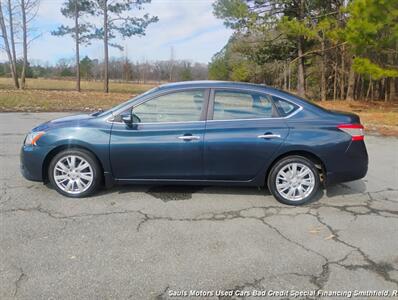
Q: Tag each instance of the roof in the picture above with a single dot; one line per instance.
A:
(210, 83)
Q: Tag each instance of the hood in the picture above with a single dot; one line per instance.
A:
(64, 122)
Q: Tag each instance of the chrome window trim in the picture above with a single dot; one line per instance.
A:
(300, 108)
(152, 123)
(265, 93)
(253, 119)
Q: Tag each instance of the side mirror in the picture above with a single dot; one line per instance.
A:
(127, 117)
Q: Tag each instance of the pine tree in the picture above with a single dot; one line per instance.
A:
(117, 20)
(81, 32)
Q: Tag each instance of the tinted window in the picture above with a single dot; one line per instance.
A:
(175, 107)
(115, 108)
(284, 107)
(241, 105)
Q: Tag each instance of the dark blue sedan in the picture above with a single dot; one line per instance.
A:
(206, 132)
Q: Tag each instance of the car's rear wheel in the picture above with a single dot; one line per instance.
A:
(74, 173)
(294, 180)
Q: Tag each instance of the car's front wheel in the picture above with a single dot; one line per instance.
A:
(294, 180)
(74, 173)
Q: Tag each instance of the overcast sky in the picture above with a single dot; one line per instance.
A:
(186, 25)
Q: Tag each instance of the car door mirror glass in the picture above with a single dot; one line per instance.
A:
(127, 117)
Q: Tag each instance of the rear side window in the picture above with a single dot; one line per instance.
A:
(284, 107)
(230, 105)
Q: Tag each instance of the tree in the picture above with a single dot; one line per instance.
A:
(372, 33)
(86, 66)
(80, 32)
(9, 45)
(219, 67)
(257, 17)
(117, 20)
(28, 13)
(186, 72)
(64, 67)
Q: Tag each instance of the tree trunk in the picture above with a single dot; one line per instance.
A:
(7, 46)
(300, 67)
(362, 88)
(323, 71)
(369, 88)
(77, 40)
(393, 94)
(12, 42)
(106, 55)
(335, 82)
(285, 76)
(24, 44)
(342, 73)
(385, 88)
(351, 83)
(380, 94)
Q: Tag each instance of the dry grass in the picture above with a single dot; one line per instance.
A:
(377, 117)
(58, 95)
(41, 100)
(67, 85)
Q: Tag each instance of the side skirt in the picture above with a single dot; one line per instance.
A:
(186, 182)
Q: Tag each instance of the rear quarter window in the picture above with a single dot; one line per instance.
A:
(284, 107)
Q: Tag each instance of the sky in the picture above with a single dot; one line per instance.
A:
(187, 26)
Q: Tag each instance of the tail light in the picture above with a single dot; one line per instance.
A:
(355, 130)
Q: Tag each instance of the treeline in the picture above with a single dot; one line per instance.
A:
(333, 49)
(121, 69)
(103, 20)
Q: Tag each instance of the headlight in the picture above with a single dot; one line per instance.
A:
(33, 137)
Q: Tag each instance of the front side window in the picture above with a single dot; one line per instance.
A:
(182, 106)
(229, 105)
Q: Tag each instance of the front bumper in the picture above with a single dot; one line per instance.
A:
(31, 162)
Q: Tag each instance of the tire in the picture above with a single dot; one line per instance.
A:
(281, 180)
(76, 182)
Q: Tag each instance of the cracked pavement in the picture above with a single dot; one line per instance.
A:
(144, 242)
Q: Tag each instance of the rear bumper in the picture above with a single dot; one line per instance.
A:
(352, 165)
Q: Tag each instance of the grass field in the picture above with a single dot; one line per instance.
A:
(59, 95)
(66, 85)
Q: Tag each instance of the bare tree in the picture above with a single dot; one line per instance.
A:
(10, 50)
(29, 10)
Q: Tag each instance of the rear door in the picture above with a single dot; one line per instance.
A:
(243, 131)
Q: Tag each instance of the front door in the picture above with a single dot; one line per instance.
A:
(165, 140)
(242, 135)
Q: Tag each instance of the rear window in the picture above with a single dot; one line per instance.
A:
(284, 107)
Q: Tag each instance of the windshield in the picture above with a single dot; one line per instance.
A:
(115, 108)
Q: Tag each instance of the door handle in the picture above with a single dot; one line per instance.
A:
(189, 137)
(269, 136)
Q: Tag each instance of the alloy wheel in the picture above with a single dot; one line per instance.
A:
(73, 174)
(295, 181)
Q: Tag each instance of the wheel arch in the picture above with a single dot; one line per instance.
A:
(50, 155)
(318, 162)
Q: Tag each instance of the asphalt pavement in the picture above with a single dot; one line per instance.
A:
(148, 242)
